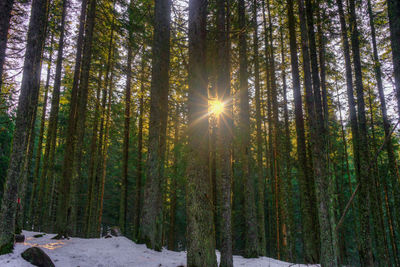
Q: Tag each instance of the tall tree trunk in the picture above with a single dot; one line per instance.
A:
(349, 84)
(393, 168)
(380, 239)
(75, 131)
(288, 224)
(48, 159)
(224, 135)
(308, 220)
(341, 233)
(94, 195)
(342, 254)
(19, 220)
(343, 135)
(36, 182)
(6, 7)
(151, 218)
(104, 157)
(25, 115)
(390, 224)
(92, 185)
(268, 141)
(251, 234)
(174, 177)
(199, 206)
(275, 140)
(394, 25)
(73, 110)
(324, 185)
(321, 19)
(260, 172)
(350, 97)
(332, 188)
(125, 153)
(213, 124)
(138, 188)
(365, 174)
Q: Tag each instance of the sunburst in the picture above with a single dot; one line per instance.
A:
(216, 107)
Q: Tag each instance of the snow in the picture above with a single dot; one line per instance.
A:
(111, 252)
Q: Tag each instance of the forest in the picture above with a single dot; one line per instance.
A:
(254, 128)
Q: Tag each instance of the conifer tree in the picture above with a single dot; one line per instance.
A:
(199, 206)
(27, 103)
(251, 233)
(151, 218)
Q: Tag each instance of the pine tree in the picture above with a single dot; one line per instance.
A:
(124, 191)
(199, 205)
(251, 238)
(88, 222)
(35, 195)
(393, 168)
(76, 124)
(308, 219)
(48, 159)
(366, 256)
(27, 103)
(260, 172)
(151, 218)
(173, 191)
(138, 188)
(288, 224)
(224, 136)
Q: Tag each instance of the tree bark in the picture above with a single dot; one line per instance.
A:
(224, 136)
(73, 110)
(393, 168)
(94, 196)
(25, 115)
(366, 256)
(260, 172)
(268, 141)
(274, 139)
(174, 177)
(288, 224)
(104, 156)
(251, 233)
(36, 182)
(394, 25)
(199, 206)
(319, 145)
(76, 125)
(48, 159)
(125, 152)
(138, 189)
(6, 7)
(92, 185)
(350, 98)
(151, 215)
(382, 250)
(308, 219)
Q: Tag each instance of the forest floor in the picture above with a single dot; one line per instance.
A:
(110, 252)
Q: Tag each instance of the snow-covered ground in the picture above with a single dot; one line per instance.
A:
(111, 252)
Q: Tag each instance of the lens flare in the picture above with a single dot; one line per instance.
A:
(216, 107)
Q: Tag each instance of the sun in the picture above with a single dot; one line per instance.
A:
(216, 107)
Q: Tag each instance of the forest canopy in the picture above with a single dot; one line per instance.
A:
(257, 128)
